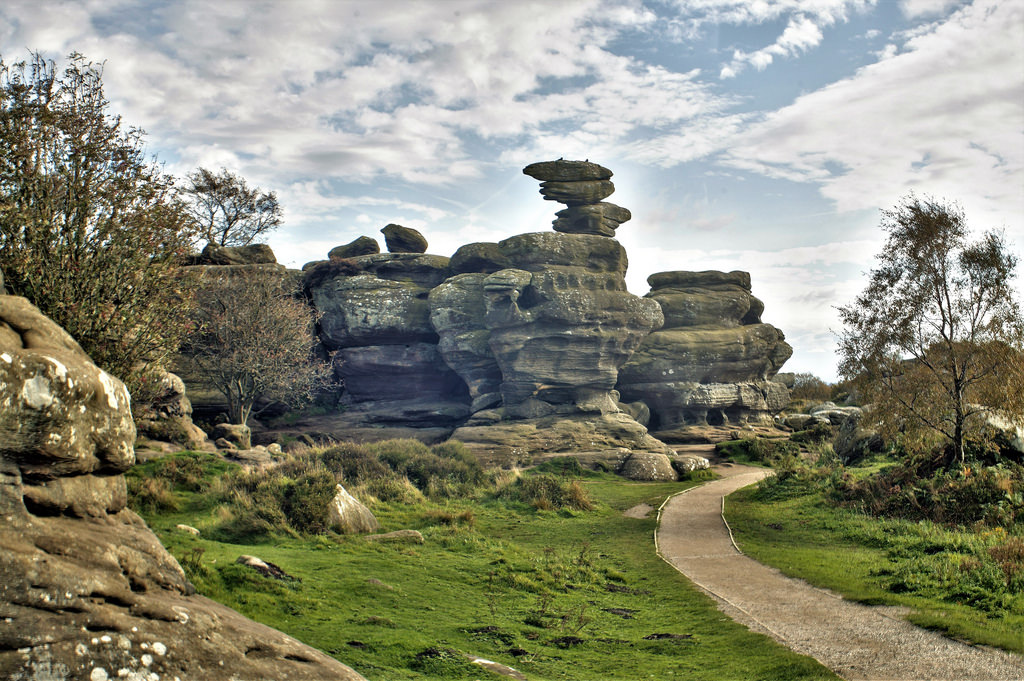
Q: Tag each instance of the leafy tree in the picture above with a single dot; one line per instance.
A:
(935, 340)
(90, 230)
(255, 338)
(227, 210)
(807, 386)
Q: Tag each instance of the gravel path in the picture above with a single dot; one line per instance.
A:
(855, 641)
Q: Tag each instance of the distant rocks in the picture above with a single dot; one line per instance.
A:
(253, 254)
(581, 186)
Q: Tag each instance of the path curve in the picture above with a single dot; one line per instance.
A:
(856, 641)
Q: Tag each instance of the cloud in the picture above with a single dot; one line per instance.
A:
(942, 117)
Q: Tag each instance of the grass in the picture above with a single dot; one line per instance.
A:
(557, 593)
(968, 584)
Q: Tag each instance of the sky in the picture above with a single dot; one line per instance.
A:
(756, 135)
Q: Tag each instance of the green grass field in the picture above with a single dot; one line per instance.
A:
(965, 583)
(556, 594)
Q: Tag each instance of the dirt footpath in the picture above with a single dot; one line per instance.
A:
(855, 641)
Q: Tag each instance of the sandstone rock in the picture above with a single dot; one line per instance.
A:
(538, 251)
(253, 254)
(601, 219)
(364, 245)
(86, 590)
(648, 466)
(223, 444)
(65, 422)
(167, 416)
(239, 435)
(257, 456)
(711, 364)
(479, 257)
(409, 536)
(578, 193)
(401, 239)
(348, 515)
(265, 568)
(566, 171)
(853, 442)
(688, 463)
(457, 313)
(187, 528)
(368, 310)
(395, 372)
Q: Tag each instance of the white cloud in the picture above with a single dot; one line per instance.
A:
(914, 9)
(944, 117)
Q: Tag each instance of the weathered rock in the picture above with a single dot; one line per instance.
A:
(407, 536)
(86, 590)
(688, 463)
(397, 372)
(401, 239)
(648, 466)
(711, 364)
(368, 310)
(577, 193)
(854, 441)
(457, 313)
(566, 171)
(560, 336)
(187, 528)
(503, 441)
(348, 515)
(265, 568)
(364, 245)
(253, 254)
(479, 257)
(167, 415)
(601, 219)
(237, 434)
(65, 423)
(539, 251)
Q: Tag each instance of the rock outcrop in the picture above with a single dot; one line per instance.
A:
(87, 590)
(711, 363)
(401, 239)
(581, 186)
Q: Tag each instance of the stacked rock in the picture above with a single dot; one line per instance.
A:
(582, 186)
(711, 363)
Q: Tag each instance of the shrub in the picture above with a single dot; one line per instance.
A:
(547, 492)
(151, 495)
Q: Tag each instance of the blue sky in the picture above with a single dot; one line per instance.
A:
(760, 135)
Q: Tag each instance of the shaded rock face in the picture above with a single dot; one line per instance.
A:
(86, 590)
(364, 245)
(253, 254)
(711, 363)
(376, 315)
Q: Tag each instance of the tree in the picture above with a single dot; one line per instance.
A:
(90, 230)
(227, 211)
(935, 340)
(255, 339)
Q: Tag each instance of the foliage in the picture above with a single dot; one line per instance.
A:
(90, 231)
(547, 492)
(227, 211)
(936, 340)
(255, 339)
(965, 581)
(555, 595)
(811, 388)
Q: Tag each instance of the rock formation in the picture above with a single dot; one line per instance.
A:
(88, 592)
(711, 363)
(580, 185)
(401, 239)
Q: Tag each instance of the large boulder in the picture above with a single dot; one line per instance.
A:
(363, 245)
(712, 362)
(86, 589)
(401, 239)
(348, 515)
(253, 254)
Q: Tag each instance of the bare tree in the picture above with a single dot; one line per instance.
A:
(227, 211)
(255, 338)
(936, 340)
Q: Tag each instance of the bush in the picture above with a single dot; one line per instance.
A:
(547, 492)
(151, 495)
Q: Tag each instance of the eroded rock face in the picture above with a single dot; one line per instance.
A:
(401, 239)
(86, 590)
(580, 185)
(711, 364)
